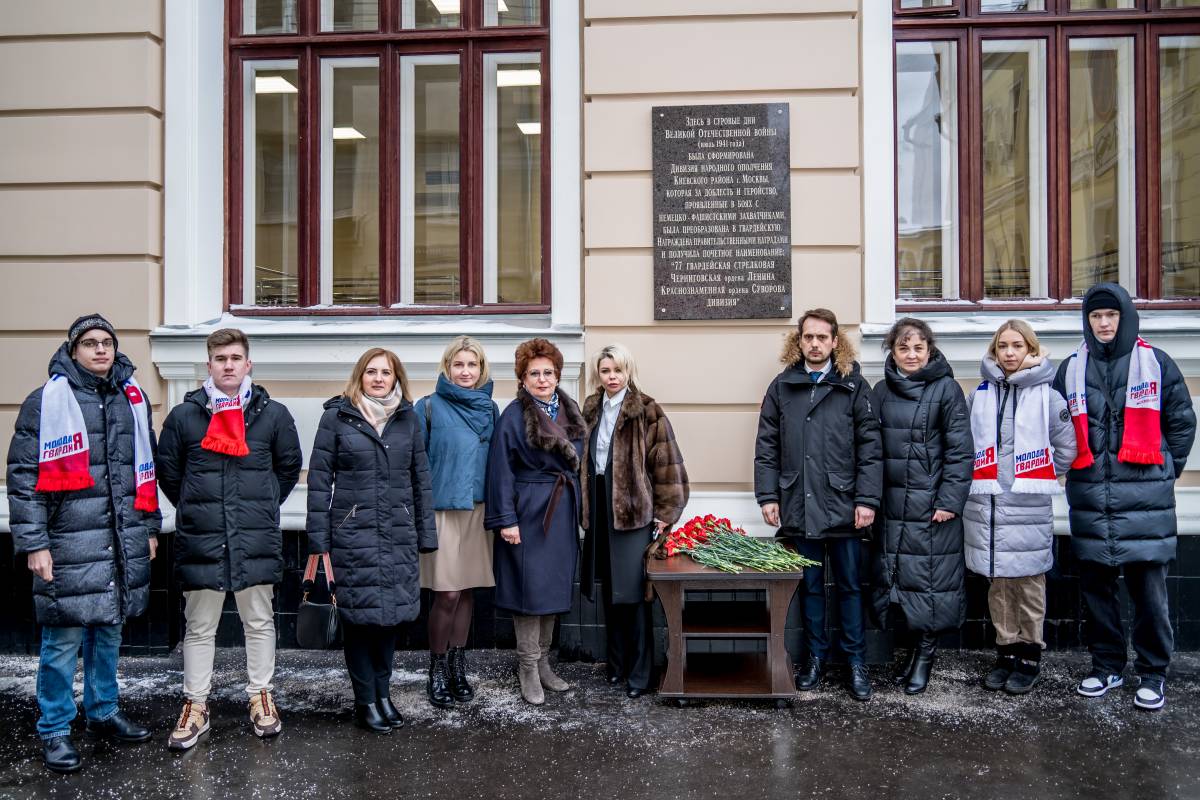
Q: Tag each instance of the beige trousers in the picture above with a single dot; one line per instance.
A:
(1018, 609)
(202, 612)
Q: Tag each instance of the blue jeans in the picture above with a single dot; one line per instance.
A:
(56, 676)
(842, 556)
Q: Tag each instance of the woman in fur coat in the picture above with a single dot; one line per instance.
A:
(635, 486)
(533, 500)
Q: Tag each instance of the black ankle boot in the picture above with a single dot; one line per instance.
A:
(808, 678)
(369, 717)
(1006, 660)
(918, 679)
(1027, 670)
(389, 712)
(59, 754)
(438, 687)
(904, 668)
(459, 686)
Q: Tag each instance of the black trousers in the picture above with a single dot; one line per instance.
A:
(1153, 639)
(370, 651)
(628, 627)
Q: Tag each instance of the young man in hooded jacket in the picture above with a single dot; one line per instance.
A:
(83, 507)
(1134, 427)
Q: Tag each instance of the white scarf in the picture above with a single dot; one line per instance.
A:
(1033, 463)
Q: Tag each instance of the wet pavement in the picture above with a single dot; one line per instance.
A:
(956, 741)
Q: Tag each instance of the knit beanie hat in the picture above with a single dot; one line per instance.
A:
(1100, 299)
(88, 322)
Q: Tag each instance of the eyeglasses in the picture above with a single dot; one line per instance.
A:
(95, 344)
(546, 373)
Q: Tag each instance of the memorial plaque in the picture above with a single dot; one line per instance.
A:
(722, 212)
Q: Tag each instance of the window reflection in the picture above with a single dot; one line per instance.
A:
(270, 233)
(268, 16)
(512, 12)
(1179, 120)
(421, 14)
(349, 15)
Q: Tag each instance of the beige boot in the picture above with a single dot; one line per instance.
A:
(545, 638)
(527, 658)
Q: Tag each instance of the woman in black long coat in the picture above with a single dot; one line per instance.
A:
(533, 500)
(928, 458)
(370, 506)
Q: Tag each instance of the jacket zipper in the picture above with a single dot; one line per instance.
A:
(992, 530)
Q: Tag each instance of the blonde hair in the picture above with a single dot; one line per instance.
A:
(1022, 327)
(354, 390)
(456, 346)
(620, 356)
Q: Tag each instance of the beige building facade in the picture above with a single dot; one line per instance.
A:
(115, 146)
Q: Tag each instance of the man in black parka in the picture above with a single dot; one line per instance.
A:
(227, 459)
(1123, 513)
(89, 548)
(818, 474)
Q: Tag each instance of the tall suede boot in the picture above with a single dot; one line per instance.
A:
(528, 651)
(1027, 670)
(1006, 662)
(904, 665)
(918, 679)
(545, 673)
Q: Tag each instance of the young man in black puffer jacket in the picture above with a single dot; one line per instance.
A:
(228, 458)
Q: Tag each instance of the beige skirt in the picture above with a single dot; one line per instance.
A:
(464, 556)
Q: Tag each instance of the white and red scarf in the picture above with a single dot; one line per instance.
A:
(1033, 463)
(63, 443)
(1142, 440)
(227, 428)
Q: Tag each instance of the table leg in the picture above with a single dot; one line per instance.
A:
(779, 598)
(671, 595)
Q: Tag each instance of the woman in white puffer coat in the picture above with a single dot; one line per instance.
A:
(1009, 518)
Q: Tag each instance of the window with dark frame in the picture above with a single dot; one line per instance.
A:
(1043, 146)
(388, 156)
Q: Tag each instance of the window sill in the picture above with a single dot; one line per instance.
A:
(359, 312)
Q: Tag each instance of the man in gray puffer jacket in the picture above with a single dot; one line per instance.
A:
(89, 534)
(1009, 534)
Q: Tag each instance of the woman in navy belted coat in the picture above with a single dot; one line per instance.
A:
(533, 500)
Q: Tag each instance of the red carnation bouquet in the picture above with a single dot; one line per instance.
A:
(715, 542)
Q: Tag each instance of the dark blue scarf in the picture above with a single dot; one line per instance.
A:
(550, 406)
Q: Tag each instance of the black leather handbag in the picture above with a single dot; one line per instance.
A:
(317, 625)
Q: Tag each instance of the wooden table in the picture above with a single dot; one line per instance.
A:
(740, 675)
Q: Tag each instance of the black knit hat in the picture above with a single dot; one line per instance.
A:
(1100, 298)
(88, 322)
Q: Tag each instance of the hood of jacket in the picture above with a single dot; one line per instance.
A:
(842, 357)
(1035, 375)
(1127, 329)
(909, 386)
(61, 363)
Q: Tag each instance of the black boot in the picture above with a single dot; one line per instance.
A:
(389, 712)
(918, 679)
(369, 717)
(438, 687)
(904, 667)
(459, 686)
(809, 678)
(119, 728)
(1006, 660)
(59, 754)
(1027, 670)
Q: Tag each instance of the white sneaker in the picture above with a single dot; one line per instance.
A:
(1151, 695)
(1098, 683)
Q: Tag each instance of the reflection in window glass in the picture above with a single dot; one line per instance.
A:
(512, 180)
(512, 12)
(349, 15)
(350, 181)
(1100, 5)
(421, 14)
(1102, 162)
(1179, 120)
(270, 233)
(1011, 6)
(1014, 168)
(429, 181)
(927, 169)
(268, 16)
(1179, 3)
(925, 3)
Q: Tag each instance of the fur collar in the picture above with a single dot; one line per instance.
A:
(633, 407)
(843, 354)
(553, 437)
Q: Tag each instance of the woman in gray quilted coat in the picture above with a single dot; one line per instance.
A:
(1009, 518)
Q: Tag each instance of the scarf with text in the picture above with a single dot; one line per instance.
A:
(63, 454)
(227, 429)
(1142, 441)
(1033, 466)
